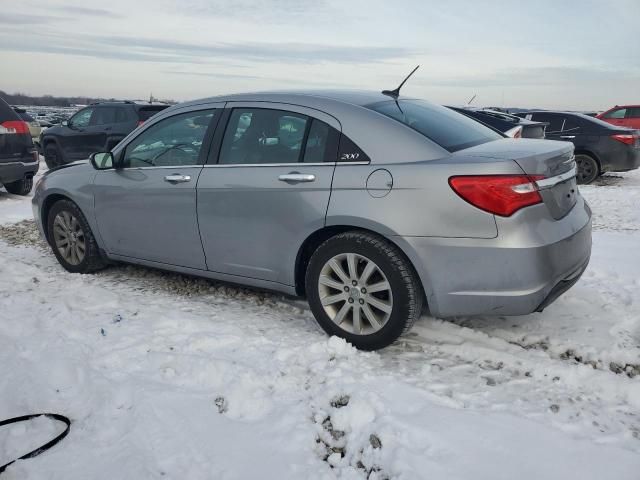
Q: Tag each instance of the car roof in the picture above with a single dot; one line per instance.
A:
(353, 97)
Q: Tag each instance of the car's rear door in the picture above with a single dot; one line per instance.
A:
(633, 117)
(266, 188)
(146, 209)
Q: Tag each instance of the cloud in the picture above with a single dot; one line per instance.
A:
(535, 77)
(96, 12)
(160, 50)
(25, 19)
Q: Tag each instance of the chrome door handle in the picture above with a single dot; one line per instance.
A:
(297, 177)
(567, 136)
(177, 178)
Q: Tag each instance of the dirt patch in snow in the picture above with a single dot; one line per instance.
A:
(22, 233)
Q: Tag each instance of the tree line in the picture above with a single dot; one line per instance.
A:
(51, 101)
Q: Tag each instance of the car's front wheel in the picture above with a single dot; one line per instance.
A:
(362, 288)
(71, 238)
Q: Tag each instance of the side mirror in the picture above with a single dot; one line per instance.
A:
(102, 160)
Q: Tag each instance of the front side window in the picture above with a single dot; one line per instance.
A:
(617, 114)
(262, 136)
(174, 141)
(82, 118)
(451, 130)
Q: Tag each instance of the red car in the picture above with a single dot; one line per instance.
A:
(622, 116)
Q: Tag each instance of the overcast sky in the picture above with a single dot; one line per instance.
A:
(564, 54)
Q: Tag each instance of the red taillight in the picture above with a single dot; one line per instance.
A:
(629, 139)
(14, 126)
(498, 194)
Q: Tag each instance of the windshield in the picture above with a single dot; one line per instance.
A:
(451, 130)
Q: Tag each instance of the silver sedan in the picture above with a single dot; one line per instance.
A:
(371, 206)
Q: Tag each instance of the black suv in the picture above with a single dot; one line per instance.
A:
(96, 128)
(599, 146)
(18, 156)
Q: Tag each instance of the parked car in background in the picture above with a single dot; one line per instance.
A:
(622, 116)
(510, 125)
(368, 204)
(18, 156)
(599, 146)
(35, 129)
(95, 128)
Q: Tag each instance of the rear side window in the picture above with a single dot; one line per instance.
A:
(322, 143)
(555, 121)
(633, 112)
(451, 130)
(122, 115)
(350, 152)
(570, 125)
(263, 136)
(145, 113)
(103, 116)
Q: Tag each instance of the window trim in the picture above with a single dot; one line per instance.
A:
(206, 141)
(216, 146)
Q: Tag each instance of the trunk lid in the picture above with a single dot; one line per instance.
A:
(546, 158)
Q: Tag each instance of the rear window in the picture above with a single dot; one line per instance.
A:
(7, 113)
(145, 113)
(451, 130)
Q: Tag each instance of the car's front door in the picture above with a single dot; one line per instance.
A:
(266, 188)
(95, 135)
(146, 208)
(75, 135)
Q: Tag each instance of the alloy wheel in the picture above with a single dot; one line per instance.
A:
(355, 293)
(69, 238)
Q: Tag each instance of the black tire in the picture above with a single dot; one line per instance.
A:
(406, 289)
(588, 169)
(52, 155)
(93, 259)
(21, 187)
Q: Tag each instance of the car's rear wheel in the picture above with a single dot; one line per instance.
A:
(361, 287)
(21, 187)
(71, 239)
(52, 155)
(588, 169)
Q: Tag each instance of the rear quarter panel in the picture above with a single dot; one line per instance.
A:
(420, 202)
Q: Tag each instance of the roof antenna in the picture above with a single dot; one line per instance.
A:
(472, 99)
(396, 93)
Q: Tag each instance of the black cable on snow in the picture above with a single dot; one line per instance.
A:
(46, 446)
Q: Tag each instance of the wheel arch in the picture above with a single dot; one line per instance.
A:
(47, 204)
(313, 241)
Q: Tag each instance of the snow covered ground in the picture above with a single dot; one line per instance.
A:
(166, 376)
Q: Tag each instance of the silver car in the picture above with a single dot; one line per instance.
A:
(373, 207)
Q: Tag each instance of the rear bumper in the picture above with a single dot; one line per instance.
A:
(626, 159)
(17, 170)
(521, 271)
